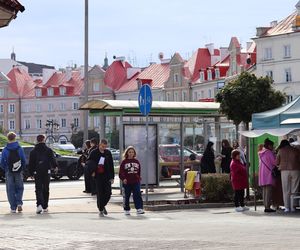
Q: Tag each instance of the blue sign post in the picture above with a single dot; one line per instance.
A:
(145, 105)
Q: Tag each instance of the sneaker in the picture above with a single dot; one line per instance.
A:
(239, 209)
(140, 211)
(269, 210)
(286, 210)
(12, 211)
(126, 212)
(45, 210)
(101, 214)
(39, 209)
(105, 211)
(20, 209)
(245, 208)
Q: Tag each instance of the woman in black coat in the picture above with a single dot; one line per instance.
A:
(226, 156)
(208, 159)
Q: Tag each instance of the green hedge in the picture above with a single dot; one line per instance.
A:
(216, 187)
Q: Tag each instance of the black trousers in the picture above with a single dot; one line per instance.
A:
(42, 182)
(87, 180)
(103, 186)
(239, 198)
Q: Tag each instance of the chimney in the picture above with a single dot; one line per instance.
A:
(260, 31)
(273, 23)
(211, 48)
(68, 73)
(224, 53)
(47, 73)
(132, 72)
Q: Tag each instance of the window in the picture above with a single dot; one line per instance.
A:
(217, 73)
(168, 97)
(268, 54)
(176, 96)
(50, 107)
(75, 105)
(289, 98)
(287, 51)
(96, 87)
(63, 106)
(27, 124)
(209, 75)
(11, 108)
(38, 108)
(11, 124)
(176, 78)
(38, 92)
(50, 91)
(288, 75)
(76, 122)
(38, 123)
(269, 73)
(1, 124)
(184, 96)
(202, 94)
(201, 76)
(195, 96)
(1, 108)
(63, 122)
(209, 93)
(27, 108)
(62, 90)
(96, 121)
(1, 92)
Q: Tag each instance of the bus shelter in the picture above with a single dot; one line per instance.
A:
(176, 119)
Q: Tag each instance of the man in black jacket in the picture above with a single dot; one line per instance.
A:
(41, 161)
(104, 173)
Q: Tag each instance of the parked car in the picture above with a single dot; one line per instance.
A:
(67, 166)
(115, 153)
(169, 153)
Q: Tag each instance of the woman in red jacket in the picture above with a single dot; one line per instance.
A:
(130, 175)
(239, 181)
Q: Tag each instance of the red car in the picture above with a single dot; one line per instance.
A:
(169, 153)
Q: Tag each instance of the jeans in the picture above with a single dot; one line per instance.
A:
(14, 189)
(135, 189)
(42, 182)
(239, 198)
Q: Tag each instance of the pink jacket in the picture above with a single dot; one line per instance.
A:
(267, 161)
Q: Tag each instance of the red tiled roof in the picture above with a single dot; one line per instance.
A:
(155, 74)
(21, 83)
(116, 74)
(283, 27)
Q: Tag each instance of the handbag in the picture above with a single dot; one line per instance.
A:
(275, 172)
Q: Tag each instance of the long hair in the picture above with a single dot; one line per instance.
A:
(125, 155)
(283, 144)
(225, 143)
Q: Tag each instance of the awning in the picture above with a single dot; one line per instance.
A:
(291, 121)
(122, 107)
(275, 132)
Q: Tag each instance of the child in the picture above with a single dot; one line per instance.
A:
(130, 175)
(239, 180)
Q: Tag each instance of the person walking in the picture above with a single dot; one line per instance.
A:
(208, 159)
(103, 168)
(288, 160)
(89, 168)
(239, 181)
(130, 175)
(13, 163)
(226, 156)
(41, 161)
(267, 161)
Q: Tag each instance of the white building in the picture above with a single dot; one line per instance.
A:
(278, 53)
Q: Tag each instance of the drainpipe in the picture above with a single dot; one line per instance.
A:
(20, 117)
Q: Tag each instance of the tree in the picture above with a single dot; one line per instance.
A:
(246, 95)
(77, 139)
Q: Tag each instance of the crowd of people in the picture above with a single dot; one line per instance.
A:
(99, 174)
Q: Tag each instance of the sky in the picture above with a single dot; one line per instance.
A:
(52, 31)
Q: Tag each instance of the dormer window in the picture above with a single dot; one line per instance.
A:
(38, 92)
(217, 73)
(96, 87)
(50, 92)
(209, 75)
(62, 91)
(201, 76)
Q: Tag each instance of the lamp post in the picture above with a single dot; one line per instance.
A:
(86, 69)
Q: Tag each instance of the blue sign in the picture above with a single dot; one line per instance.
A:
(145, 99)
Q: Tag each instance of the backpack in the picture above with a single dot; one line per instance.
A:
(43, 162)
(14, 160)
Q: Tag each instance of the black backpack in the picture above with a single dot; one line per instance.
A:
(14, 160)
